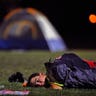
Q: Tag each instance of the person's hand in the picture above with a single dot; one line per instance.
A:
(24, 83)
(55, 86)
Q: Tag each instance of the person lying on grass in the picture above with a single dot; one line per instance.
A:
(66, 71)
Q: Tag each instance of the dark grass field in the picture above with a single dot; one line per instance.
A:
(33, 61)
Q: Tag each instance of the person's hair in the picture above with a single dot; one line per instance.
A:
(29, 79)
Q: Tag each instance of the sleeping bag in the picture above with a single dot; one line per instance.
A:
(72, 71)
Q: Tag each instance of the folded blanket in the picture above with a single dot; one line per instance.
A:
(11, 92)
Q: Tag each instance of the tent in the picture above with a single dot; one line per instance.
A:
(29, 29)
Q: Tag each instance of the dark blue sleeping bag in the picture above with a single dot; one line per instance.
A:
(71, 71)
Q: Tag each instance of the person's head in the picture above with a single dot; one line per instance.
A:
(36, 80)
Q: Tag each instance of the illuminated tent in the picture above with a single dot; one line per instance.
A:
(29, 29)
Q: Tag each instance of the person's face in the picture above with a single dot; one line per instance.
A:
(39, 80)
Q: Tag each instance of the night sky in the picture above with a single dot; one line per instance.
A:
(69, 17)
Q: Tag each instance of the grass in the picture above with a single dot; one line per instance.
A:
(33, 61)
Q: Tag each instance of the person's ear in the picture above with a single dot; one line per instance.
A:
(40, 74)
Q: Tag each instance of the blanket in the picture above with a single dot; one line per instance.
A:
(11, 92)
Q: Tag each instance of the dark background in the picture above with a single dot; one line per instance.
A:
(69, 17)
